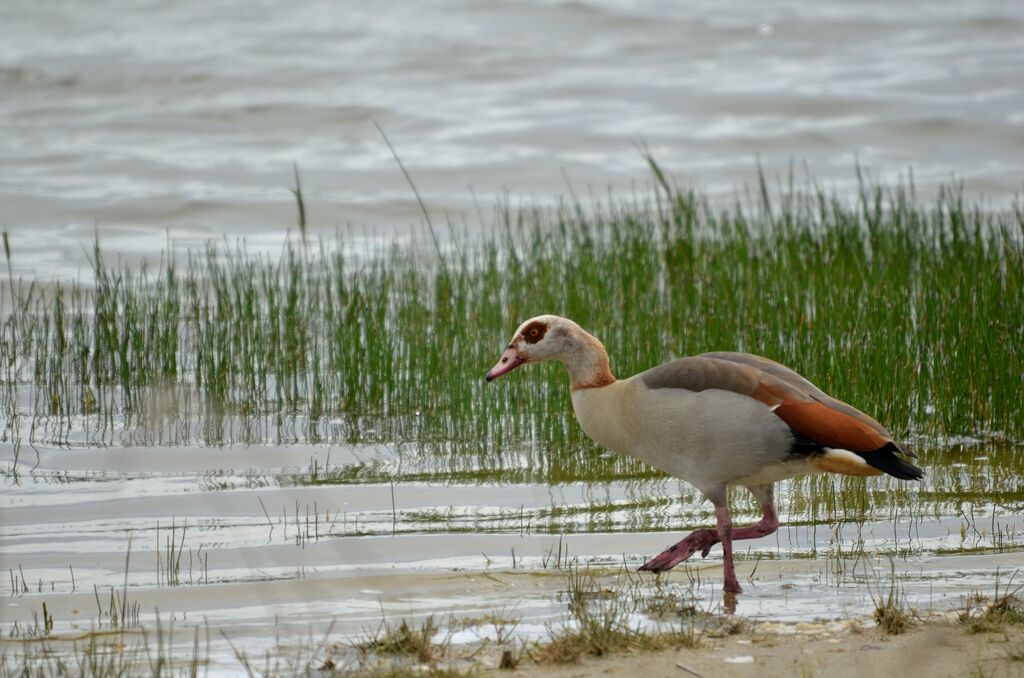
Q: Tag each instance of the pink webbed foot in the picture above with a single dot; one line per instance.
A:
(701, 540)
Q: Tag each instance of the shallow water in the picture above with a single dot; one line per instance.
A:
(281, 541)
(154, 121)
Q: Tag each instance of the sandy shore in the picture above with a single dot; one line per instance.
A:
(934, 648)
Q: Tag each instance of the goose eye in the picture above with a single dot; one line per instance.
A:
(534, 333)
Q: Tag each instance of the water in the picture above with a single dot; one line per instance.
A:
(151, 121)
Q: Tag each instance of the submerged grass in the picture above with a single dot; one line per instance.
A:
(913, 312)
(109, 655)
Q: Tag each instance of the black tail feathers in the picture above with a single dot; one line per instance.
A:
(885, 460)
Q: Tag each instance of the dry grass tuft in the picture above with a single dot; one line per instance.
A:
(405, 640)
(600, 624)
(981, 614)
(891, 612)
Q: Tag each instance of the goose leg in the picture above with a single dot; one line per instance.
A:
(703, 540)
(769, 522)
(698, 540)
(724, 522)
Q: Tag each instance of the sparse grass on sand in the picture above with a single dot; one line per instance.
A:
(984, 614)
(603, 621)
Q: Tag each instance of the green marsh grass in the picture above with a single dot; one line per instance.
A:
(914, 312)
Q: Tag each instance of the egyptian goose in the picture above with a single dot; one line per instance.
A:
(714, 420)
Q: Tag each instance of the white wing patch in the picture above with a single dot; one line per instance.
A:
(838, 460)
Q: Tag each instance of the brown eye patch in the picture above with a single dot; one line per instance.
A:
(534, 332)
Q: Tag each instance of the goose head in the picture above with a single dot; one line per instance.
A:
(551, 337)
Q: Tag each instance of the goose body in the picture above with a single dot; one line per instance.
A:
(742, 441)
(713, 420)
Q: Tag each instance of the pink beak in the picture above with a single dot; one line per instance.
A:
(510, 360)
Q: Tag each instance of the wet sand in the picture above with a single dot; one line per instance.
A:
(934, 648)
